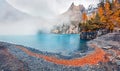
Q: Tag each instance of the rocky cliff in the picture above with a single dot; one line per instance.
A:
(74, 12)
(70, 20)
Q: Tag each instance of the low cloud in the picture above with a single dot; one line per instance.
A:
(27, 17)
(47, 8)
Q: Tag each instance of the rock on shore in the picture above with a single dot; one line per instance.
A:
(111, 44)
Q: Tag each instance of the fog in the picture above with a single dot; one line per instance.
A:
(17, 29)
(28, 17)
(26, 27)
(47, 8)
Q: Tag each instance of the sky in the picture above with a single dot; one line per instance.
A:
(27, 17)
(47, 7)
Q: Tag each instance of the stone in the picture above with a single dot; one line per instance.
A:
(118, 57)
(55, 31)
(107, 47)
(118, 62)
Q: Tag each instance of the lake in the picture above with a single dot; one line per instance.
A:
(55, 43)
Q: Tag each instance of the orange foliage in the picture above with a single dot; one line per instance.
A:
(103, 19)
(116, 4)
(92, 16)
(91, 59)
(109, 15)
(84, 17)
(107, 6)
(100, 11)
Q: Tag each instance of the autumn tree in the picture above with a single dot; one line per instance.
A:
(101, 14)
(116, 3)
(116, 14)
(100, 11)
(108, 14)
(108, 17)
(105, 14)
(84, 17)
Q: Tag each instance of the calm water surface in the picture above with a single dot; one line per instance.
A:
(58, 43)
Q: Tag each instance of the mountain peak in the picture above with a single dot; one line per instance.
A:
(74, 7)
(74, 13)
(73, 4)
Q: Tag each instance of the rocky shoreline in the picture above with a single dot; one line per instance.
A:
(110, 43)
(25, 62)
(33, 63)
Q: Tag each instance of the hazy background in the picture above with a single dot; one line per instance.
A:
(27, 17)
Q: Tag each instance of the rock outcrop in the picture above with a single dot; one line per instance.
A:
(67, 29)
(111, 45)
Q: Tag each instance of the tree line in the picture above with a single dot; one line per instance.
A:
(107, 17)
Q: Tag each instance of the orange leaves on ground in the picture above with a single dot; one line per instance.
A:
(91, 59)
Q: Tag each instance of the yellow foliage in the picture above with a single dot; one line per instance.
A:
(103, 19)
(116, 4)
(107, 6)
(109, 16)
(84, 17)
(100, 11)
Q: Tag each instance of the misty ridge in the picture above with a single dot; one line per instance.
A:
(15, 22)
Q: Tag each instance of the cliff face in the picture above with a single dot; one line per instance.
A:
(66, 29)
(74, 13)
(70, 20)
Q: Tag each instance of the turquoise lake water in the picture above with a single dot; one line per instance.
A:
(56, 43)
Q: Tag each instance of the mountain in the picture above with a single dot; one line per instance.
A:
(69, 20)
(74, 13)
(9, 13)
